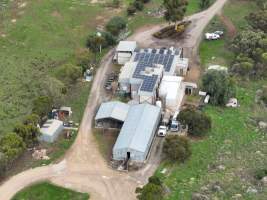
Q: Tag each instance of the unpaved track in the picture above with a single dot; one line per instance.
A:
(83, 167)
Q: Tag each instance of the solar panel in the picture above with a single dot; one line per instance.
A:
(149, 83)
(154, 50)
(161, 51)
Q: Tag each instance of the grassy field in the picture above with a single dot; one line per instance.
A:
(226, 156)
(48, 191)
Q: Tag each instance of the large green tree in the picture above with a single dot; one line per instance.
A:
(198, 122)
(175, 10)
(177, 148)
(219, 85)
(258, 20)
(12, 146)
(116, 24)
(151, 191)
(42, 105)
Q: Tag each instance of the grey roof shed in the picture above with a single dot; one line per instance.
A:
(137, 133)
(114, 110)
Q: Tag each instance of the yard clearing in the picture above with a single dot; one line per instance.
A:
(48, 191)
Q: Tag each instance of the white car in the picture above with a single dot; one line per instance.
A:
(220, 33)
(212, 36)
(162, 131)
(232, 103)
(174, 126)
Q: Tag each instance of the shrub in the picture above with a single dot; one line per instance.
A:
(219, 85)
(198, 122)
(260, 173)
(138, 4)
(151, 191)
(131, 9)
(42, 105)
(28, 132)
(11, 145)
(177, 148)
(115, 25)
(69, 73)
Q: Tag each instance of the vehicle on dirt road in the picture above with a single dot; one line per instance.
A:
(162, 131)
(174, 126)
(212, 36)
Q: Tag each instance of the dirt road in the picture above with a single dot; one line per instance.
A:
(83, 167)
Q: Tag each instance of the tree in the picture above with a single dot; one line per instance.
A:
(151, 191)
(28, 132)
(69, 73)
(203, 4)
(3, 163)
(243, 65)
(42, 105)
(177, 148)
(138, 4)
(131, 9)
(198, 122)
(219, 86)
(247, 42)
(31, 119)
(258, 20)
(94, 42)
(175, 10)
(12, 146)
(115, 25)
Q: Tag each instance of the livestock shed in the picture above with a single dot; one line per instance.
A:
(137, 133)
(111, 114)
(51, 130)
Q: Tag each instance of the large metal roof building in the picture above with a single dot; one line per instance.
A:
(137, 133)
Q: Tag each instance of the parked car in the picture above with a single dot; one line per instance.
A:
(212, 36)
(232, 103)
(174, 126)
(220, 33)
(162, 131)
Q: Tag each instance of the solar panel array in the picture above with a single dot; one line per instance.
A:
(149, 59)
(149, 83)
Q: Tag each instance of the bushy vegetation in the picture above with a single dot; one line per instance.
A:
(177, 148)
(69, 73)
(115, 25)
(219, 85)
(152, 191)
(136, 5)
(95, 41)
(198, 122)
(203, 4)
(250, 46)
(42, 105)
(175, 10)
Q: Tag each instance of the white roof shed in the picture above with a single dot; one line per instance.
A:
(172, 91)
(51, 130)
(126, 46)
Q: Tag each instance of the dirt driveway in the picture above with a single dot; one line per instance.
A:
(83, 167)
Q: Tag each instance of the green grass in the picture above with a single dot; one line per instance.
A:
(236, 10)
(193, 6)
(48, 191)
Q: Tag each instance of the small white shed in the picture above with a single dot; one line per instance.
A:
(51, 130)
(124, 51)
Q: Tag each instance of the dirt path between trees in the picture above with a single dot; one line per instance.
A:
(83, 168)
(230, 27)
